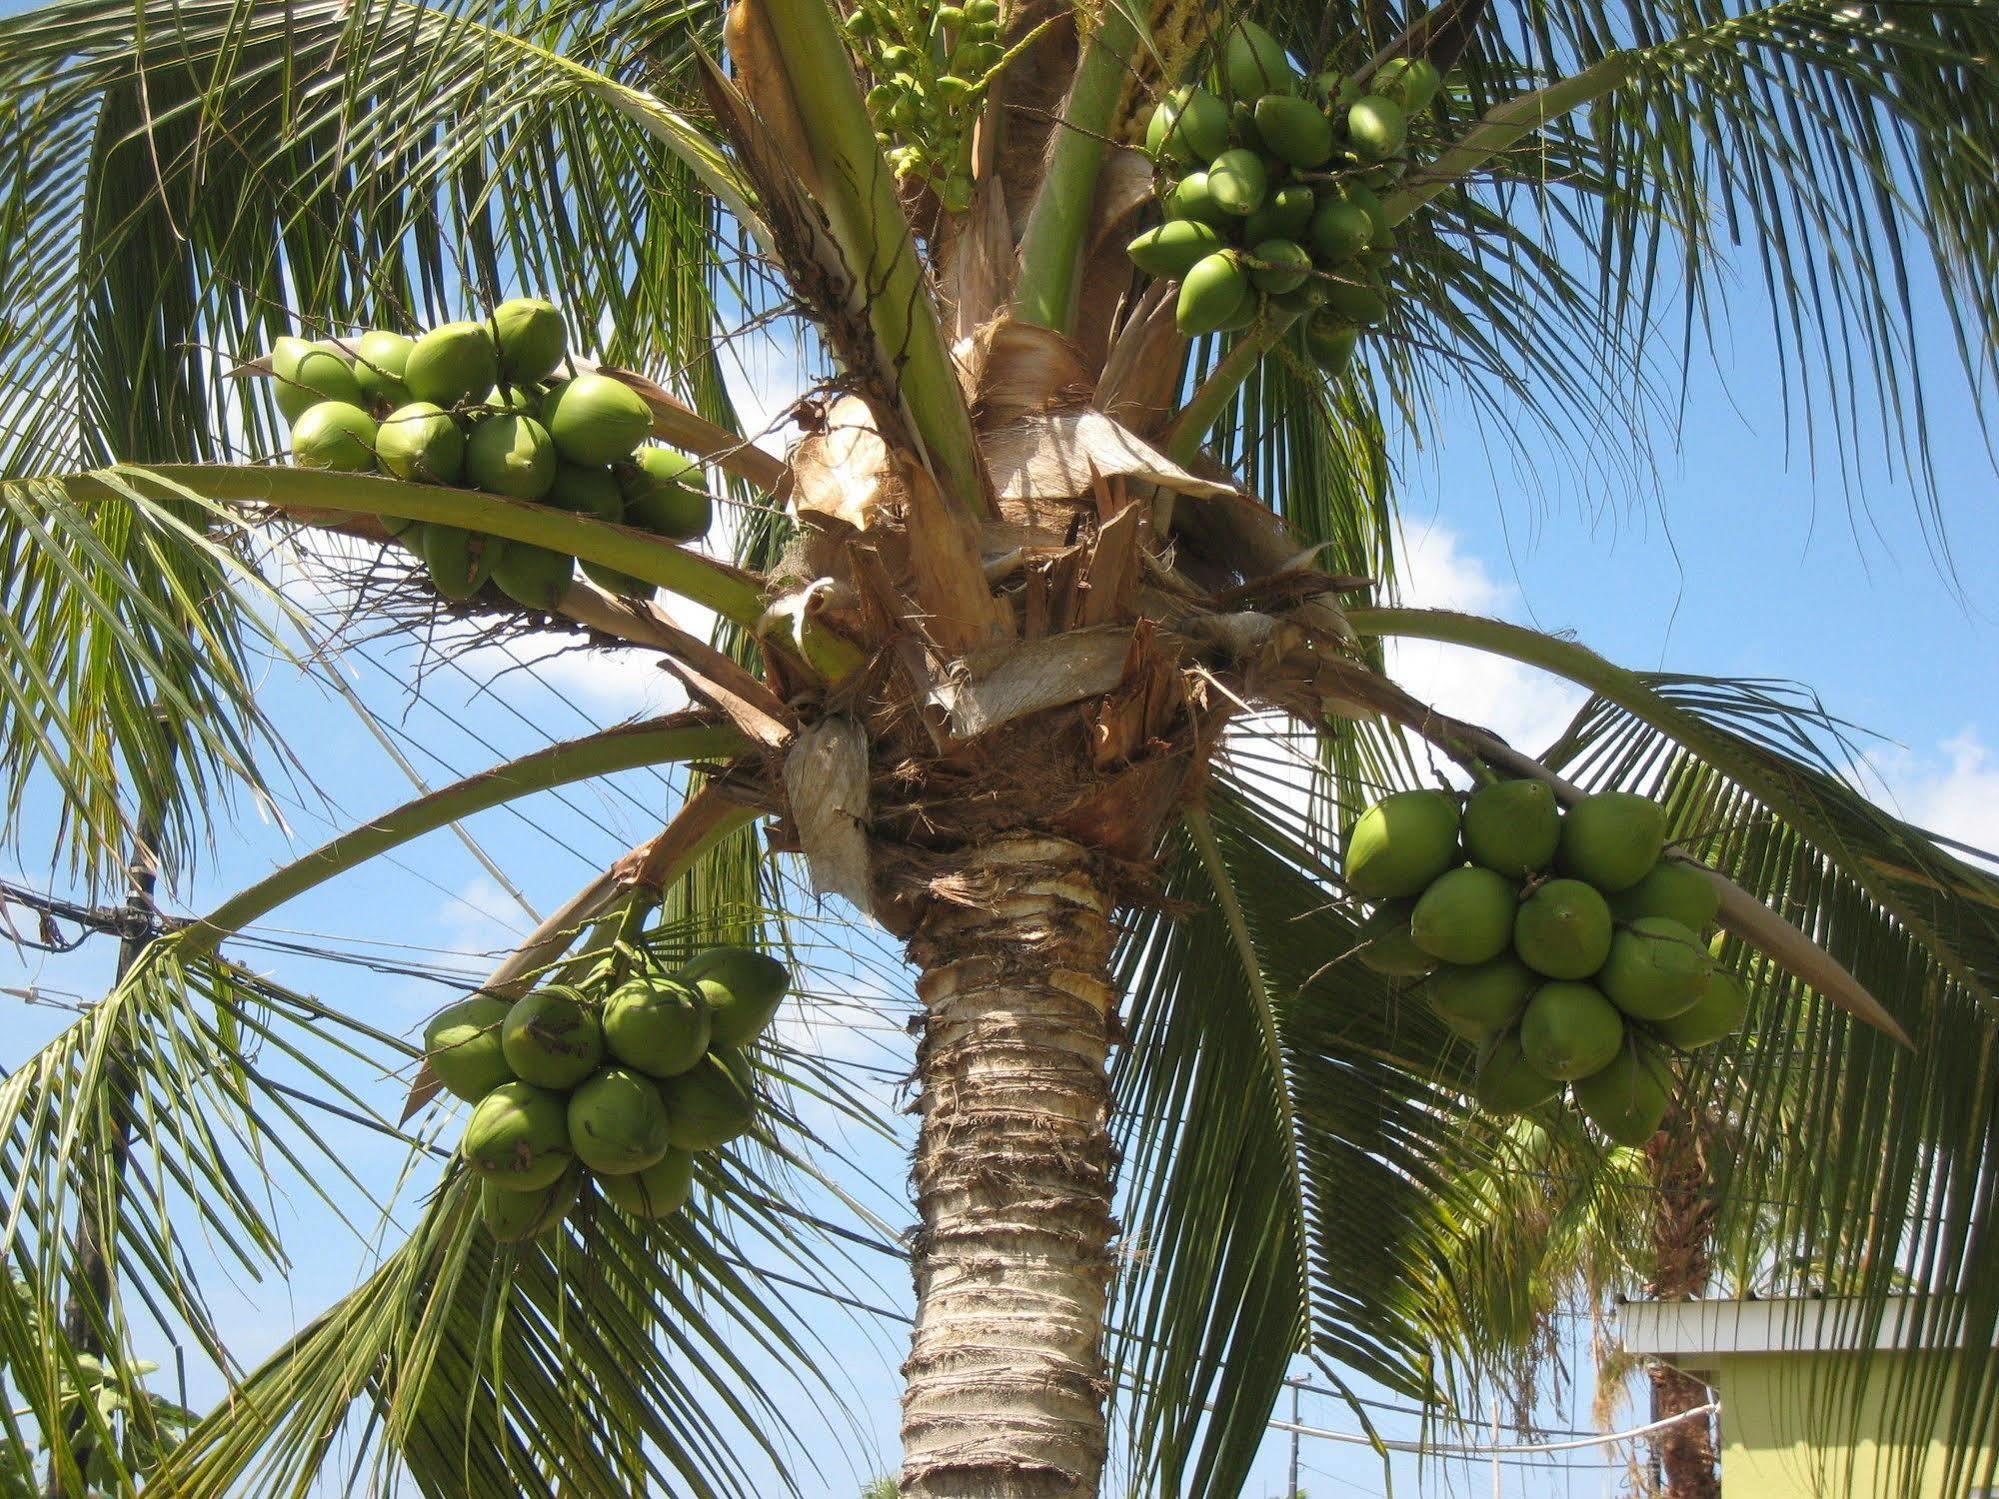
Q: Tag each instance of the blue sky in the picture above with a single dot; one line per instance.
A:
(1746, 561)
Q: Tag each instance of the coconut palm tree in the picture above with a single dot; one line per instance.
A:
(1002, 653)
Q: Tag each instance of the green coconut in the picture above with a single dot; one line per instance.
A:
(1376, 127)
(1674, 889)
(462, 1046)
(1506, 1081)
(515, 1217)
(1570, 1030)
(617, 1122)
(661, 1026)
(1190, 198)
(1340, 230)
(1211, 294)
(1513, 827)
(511, 455)
(1254, 64)
(1248, 307)
(315, 376)
(335, 435)
(659, 1191)
(1279, 265)
(1628, 1096)
(1657, 969)
(594, 491)
(1612, 839)
(285, 354)
(1718, 1013)
(1411, 82)
(709, 1104)
(1563, 929)
(1465, 916)
(1189, 125)
(1480, 999)
(1286, 214)
(518, 1137)
(1331, 343)
(1364, 303)
(1384, 943)
(512, 400)
(1171, 249)
(1294, 129)
(452, 364)
(529, 333)
(379, 361)
(595, 419)
(553, 1037)
(421, 443)
(1238, 181)
(664, 493)
(459, 561)
(534, 576)
(743, 988)
(1400, 844)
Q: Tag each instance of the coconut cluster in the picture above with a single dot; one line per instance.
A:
(1271, 187)
(621, 1083)
(1563, 945)
(934, 64)
(492, 404)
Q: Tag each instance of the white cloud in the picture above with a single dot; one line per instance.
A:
(1953, 791)
(1525, 707)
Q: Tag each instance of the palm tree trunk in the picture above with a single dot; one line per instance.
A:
(1683, 1206)
(1005, 1377)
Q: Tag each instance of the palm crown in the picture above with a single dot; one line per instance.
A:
(1059, 546)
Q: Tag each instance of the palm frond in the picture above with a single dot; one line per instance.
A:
(1291, 1153)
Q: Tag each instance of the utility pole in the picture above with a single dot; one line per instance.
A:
(1495, 1455)
(1292, 1491)
(86, 1310)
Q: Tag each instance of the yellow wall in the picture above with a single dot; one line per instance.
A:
(1785, 1423)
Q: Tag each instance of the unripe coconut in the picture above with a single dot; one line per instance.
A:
(335, 435)
(529, 334)
(1247, 309)
(1385, 945)
(1211, 294)
(452, 363)
(1656, 969)
(1570, 1030)
(1466, 916)
(1376, 127)
(515, 1217)
(595, 419)
(1330, 342)
(1238, 181)
(1340, 229)
(1507, 1082)
(1483, 998)
(1718, 1013)
(518, 1137)
(1254, 64)
(1563, 929)
(511, 455)
(1286, 214)
(1359, 195)
(379, 361)
(1192, 125)
(708, 1105)
(1513, 827)
(661, 1026)
(1400, 844)
(1294, 129)
(617, 1122)
(421, 443)
(462, 1046)
(1285, 266)
(1303, 299)
(664, 494)
(1627, 1098)
(743, 988)
(595, 492)
(286, 352)
(1361, 302)
(459, 561)
(1674, 889)
(1172, 248)
(512, 400)
(659, 1191)
(1411, 82)
(1191, 198)
(534, 576)
(1612, 839)
(316, 376)
(553, 1037)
